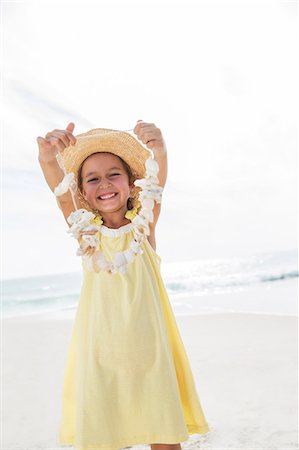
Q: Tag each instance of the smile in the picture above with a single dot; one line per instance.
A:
(108, 196)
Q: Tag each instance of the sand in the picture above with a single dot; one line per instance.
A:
(244, 365)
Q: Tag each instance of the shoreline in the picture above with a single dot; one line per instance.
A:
(271, 298)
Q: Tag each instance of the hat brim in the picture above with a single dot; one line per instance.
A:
(120, 143)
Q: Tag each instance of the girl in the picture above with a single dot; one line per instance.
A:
(127, 377)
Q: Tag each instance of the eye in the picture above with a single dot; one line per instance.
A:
(93, 179)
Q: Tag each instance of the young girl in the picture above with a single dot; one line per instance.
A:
(127, 377)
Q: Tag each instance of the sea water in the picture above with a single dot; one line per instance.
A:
(258, 283)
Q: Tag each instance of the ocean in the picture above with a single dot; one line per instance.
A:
(197, 286)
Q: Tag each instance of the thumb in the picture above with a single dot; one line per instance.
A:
(41, 140)
(70, 127)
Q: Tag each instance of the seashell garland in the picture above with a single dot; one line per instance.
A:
(83, 221)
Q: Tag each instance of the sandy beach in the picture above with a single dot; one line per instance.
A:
(244, 365)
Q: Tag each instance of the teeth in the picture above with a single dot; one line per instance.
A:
(107, 196)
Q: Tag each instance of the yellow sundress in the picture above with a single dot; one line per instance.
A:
(127, 378)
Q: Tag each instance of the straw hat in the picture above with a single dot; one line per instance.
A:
(121, 143)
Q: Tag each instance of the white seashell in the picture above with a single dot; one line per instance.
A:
(141, 182)
(74, 231)
(103, 265)
(147, 214)
(152, 166)
(148, 203)
(118, 269)
(100, 260)
(139, 220)
(139, 238)
(80, 216)
(152, 193)
(65, 184)
(144, 230)
(120, 266)
(134, 246)
(90, 240)
(80, 223)
(123, 269)
(91, 227)
(75, 226)
(129, 255)
(83, 247)
(100, 256)
(119, 259)
(139, 231)
(135, 249)
(152, 180)
(146, 182)
(147, 191)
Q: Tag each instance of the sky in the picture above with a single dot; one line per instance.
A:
(218, 78)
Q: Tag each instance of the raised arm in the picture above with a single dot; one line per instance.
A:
(161, 158)
(55, 141)
(152, 137)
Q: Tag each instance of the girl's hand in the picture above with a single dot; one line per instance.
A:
(55, 141)
(151, 136)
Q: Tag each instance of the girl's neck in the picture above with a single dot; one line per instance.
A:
(113, 225)
(115, 220)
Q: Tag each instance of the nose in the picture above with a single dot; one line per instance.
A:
(105, 183)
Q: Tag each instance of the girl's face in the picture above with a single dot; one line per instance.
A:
(103, 173)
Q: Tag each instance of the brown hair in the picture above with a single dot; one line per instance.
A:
(132, 201)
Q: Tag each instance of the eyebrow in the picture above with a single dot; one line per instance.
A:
(111, 168)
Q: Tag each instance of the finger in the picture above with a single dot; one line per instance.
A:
(62, 135)
(70, 127)
(146, 136)
(138, 124)
(55, 141)
(41, 140)
(145, 125)
(152, 144)
(68, 139)
(71, 137)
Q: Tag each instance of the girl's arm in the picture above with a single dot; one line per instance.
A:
(161, 159)
(162, 176)
(53, 175)
(152, 137)
(55, 141)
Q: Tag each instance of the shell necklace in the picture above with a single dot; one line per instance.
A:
(84, 221)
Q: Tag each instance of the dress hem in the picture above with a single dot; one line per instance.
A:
(146, 440)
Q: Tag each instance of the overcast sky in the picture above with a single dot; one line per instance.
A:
(218, 78)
